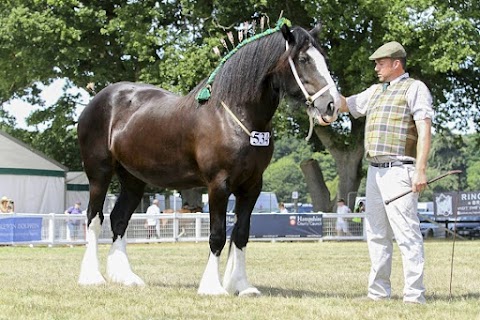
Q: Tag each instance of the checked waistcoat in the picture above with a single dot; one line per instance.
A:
(390, 128)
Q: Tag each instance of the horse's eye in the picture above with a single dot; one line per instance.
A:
(303, 59)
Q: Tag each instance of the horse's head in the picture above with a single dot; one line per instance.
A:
(312, 77)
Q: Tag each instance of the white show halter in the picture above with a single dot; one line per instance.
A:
(309, 99)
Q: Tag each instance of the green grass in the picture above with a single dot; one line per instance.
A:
(298, 281)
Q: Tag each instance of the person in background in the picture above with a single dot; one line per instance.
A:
(361, 207)
(282, 208)
(399, 116)
(342, 225)
(151, 223)
(6, 205)
(74, 224)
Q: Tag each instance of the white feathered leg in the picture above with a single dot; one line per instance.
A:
(235, 278)
(210, 283)
(89, 270)
(118, 267)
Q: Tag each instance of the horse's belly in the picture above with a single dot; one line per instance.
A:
(167, 175)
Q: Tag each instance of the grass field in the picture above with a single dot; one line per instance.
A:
(298, 281)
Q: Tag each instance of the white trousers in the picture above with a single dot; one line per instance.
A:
(384, 222)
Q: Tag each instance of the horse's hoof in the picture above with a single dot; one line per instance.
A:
(250, 292)
(212, 291)
(94, 279)
(130, 280)
(134, 281)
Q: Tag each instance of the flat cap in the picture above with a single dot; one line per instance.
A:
(391, 49)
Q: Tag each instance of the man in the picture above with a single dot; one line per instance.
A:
(342, 225)
(74, 225)
(151, 223)
(397, 142)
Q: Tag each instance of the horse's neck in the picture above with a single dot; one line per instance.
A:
(258, 113)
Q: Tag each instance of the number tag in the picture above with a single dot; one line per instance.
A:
(260, 139)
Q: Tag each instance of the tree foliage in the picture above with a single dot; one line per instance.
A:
(169, 44)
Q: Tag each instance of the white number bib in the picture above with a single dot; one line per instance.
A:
(260, 139)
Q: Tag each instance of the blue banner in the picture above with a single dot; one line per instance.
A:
(20, 229)
(282, 225)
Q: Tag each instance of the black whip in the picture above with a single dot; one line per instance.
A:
(430, 181)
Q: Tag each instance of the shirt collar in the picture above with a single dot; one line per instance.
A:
(403, 76)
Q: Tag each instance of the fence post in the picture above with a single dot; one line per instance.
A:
(198, 228)
(175, 225)
(51, 229)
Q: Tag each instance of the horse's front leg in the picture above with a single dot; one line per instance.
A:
(118, 265)
(210, 283)
(89, 270)
(235, 278)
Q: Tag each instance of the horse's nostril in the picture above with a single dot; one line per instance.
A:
(330, 108)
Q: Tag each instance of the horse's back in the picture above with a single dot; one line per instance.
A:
(144, 128)
(118, 102)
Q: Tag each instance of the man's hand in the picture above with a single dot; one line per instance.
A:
(343, 105)
(419, 182)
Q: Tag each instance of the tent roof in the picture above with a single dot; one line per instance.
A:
(77, 177)
(77, 181)
(19, 158)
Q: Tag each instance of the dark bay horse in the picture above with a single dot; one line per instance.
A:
(145, 134)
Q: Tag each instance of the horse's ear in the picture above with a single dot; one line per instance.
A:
(315, 32)
(287, 34)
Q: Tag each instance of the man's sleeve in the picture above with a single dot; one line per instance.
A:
(420, 101)
(357, 104)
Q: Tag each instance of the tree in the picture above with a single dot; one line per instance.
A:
(283, 177)
(169, 44)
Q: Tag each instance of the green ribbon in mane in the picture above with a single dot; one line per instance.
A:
(205, 93)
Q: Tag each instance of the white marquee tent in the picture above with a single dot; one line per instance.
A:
(77, 188)
(33, 181)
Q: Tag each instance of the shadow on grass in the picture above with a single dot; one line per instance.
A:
(295, 293)
(265, 291)
(454, 297)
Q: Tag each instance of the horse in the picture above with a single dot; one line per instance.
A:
(148, 135)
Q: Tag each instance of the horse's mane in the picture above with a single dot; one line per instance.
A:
(241, 76)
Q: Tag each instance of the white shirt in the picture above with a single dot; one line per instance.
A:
(342, 210)
(419, 100)
(153, 209)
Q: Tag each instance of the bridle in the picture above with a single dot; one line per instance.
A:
(309, 100)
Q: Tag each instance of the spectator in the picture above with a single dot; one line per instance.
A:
(74, 224)
(6, 205)
(282, 208)
(342, 225)
(359, 209)
(151, 223)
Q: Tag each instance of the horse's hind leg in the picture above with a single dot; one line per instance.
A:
(235, 277)
(99, 175)
(118, 266)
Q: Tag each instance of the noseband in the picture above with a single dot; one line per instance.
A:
(308, 98)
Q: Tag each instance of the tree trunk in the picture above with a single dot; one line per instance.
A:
(348, 151)
(316, 185)
(193, 197)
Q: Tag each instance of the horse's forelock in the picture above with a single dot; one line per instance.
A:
(303, 39)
